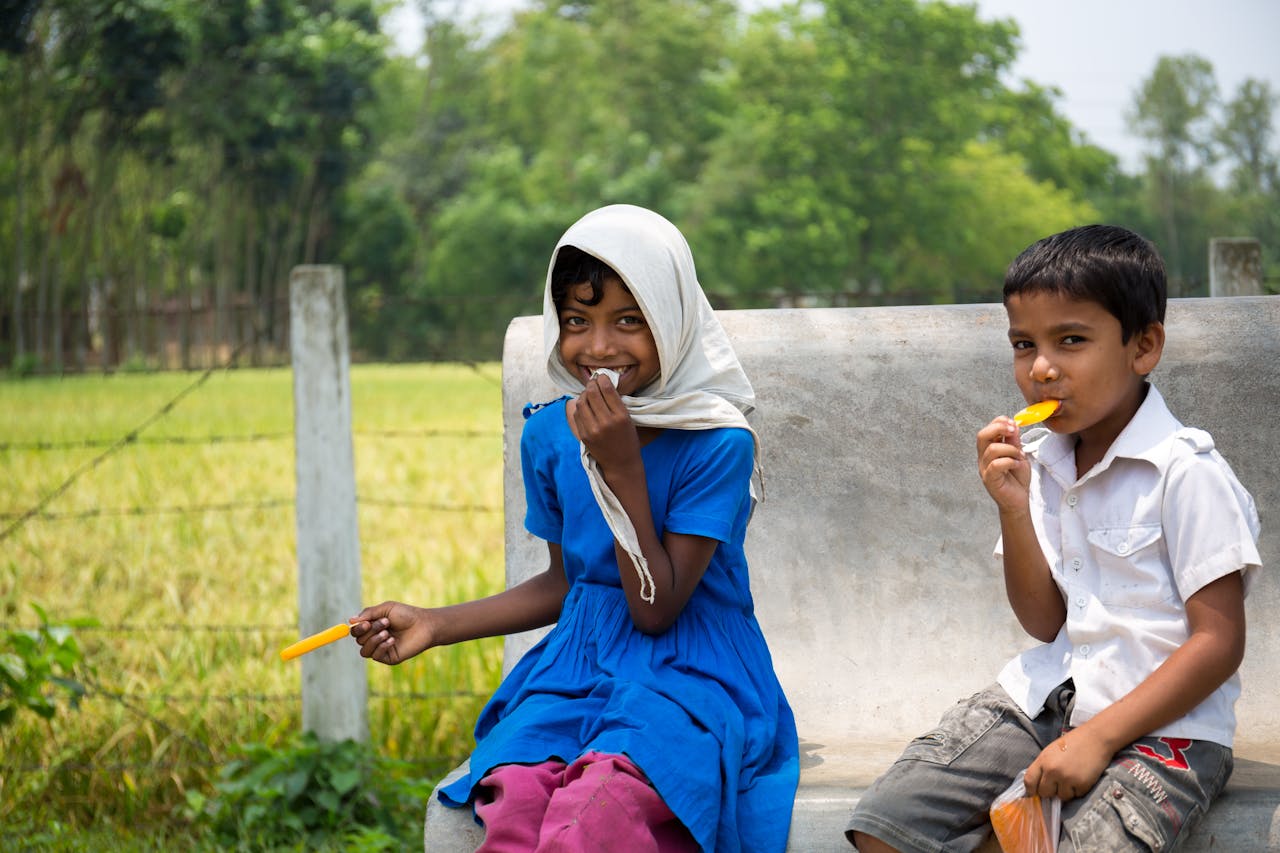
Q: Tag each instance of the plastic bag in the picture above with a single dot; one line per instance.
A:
(1026, 824)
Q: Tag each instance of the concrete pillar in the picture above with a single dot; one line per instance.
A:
(334, 677)
(1235, 266)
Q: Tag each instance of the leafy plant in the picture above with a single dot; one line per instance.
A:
(311, 791)
(32, 661)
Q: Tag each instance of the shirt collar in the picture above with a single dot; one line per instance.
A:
(1142, 438)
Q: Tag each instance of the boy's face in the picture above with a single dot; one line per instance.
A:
(1071, 350)
(613, 333)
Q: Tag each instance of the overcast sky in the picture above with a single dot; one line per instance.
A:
(1096, 51)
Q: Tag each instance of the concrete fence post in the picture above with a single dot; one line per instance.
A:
(1235, 266)
(334, 678)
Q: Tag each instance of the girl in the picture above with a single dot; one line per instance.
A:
(649, 718)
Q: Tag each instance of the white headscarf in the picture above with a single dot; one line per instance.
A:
(700, 384)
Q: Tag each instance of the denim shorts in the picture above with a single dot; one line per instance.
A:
(936, 796)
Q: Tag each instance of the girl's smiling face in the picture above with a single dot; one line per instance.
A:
(613, 333)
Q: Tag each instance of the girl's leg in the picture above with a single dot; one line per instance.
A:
(511, 802)
(607, 803)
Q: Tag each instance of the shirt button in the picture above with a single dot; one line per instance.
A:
(1084, 650)
(1072, 500)
(1122, 548)
(1080, 601)
(1076, 563)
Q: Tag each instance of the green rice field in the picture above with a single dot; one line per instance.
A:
(179, 546)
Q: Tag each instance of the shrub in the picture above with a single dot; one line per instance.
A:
(310, 792)
(33, 661)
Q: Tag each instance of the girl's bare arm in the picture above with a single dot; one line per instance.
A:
(675, 561)
(393, 632)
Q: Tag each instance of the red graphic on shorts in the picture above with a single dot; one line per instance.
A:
(1177, 758)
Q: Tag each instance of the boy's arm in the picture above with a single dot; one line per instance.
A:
(1006, 474)
(1072, 764)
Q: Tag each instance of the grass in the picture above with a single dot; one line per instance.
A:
(193, 605)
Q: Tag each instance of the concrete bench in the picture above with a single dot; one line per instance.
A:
(871, 553)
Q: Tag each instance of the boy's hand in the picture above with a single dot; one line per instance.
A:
(1069, 767)
(1003, 466)
(392, 632)
(602, 423)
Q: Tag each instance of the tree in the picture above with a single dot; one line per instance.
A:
(1173, 111)
(848, 115)
(1247, 136)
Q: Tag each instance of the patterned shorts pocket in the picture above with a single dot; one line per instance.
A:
(1119, 819)
(960, 726)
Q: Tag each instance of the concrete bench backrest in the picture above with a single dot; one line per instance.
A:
(871, 554)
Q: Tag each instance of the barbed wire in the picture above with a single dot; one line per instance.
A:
(136, 628)
(136, 511)
(245, 438)
(427, 505)
(84, 767)
(231, 506)
(281, 697)
(87, 443)
(120, 443)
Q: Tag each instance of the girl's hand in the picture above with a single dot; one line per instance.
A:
(392, 632)
(1004, 468)
(601, 421)
(1069, 767)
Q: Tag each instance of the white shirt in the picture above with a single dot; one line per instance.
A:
(1160, 516)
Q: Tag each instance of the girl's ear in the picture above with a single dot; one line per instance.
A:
(1148, 347)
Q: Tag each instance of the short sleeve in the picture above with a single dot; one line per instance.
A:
(713, 490)
(544, 517)
(1210, 523)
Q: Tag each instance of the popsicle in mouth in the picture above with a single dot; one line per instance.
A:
(1037, 412)
(612, 374)
(315, 641)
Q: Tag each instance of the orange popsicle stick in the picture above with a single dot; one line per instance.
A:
(1036, 412)
(315, 641)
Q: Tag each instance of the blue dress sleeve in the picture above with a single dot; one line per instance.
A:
(544, 516)
(711, 492)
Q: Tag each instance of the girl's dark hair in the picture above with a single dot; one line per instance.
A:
(1112, 266)
(573, 267)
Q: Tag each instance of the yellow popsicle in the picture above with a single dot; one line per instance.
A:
(1036, 412)
(315, 641)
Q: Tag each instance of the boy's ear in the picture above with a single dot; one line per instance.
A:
(1149, 345)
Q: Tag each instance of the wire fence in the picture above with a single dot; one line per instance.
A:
(125, 692)
(138, 701)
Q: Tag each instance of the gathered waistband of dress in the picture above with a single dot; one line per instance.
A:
(601, 593)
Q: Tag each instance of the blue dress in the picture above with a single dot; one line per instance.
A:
(698, 708)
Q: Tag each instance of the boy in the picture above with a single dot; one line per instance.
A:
(1127, 545)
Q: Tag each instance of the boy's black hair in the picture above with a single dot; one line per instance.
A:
(1112, 266)
(574, 266)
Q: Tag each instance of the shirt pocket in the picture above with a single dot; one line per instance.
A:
(1132, 571)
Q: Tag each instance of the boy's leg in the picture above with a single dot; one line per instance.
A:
(512, 801)
(1150, 797)
(607, 803)
(936, 797)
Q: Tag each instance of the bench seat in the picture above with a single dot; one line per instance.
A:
(871, 554)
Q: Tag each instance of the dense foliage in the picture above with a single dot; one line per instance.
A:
(169, 161)
(309, 793)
